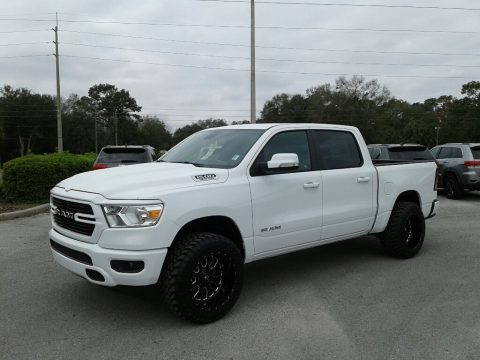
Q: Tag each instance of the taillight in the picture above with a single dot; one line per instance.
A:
(472, 164)
(99, 166)
(437, 179)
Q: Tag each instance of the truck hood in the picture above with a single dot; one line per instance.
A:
(143, 181)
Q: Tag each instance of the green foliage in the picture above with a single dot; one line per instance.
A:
(380, 117)
(113, 106)
(30, 178)
(26, 122)
(188, 130)
(152, 131)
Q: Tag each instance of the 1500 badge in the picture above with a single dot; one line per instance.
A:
(205, 177)
(271, 228)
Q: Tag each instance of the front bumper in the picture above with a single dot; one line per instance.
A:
(101, 262)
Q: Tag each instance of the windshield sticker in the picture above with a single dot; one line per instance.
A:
(210, 151)
(235, 157)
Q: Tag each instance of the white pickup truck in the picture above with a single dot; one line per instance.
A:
(232, 195)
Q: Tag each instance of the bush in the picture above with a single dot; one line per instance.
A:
(30, 178)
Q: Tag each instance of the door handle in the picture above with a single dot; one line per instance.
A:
(363, 179)
(311, 185)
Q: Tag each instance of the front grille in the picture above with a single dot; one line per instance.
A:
(71, 224)
(72, 254)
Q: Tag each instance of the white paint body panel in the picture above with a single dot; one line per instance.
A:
(295, 216)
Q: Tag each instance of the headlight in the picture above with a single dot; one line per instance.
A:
(132, 215)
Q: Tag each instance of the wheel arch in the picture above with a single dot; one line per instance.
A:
(411, 196)
(217, 224)
(450, 172)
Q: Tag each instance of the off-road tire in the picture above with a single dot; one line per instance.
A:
(405, 232)
(184, 273)
(453, 190)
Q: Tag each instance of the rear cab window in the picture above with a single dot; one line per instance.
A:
(123, 155)
(408, 153)
(336, 149)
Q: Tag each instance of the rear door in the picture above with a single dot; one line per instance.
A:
(348, 184)
(450, 156)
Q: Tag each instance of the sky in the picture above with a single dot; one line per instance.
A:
(186, 60)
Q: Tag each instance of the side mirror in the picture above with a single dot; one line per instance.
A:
(283, 162)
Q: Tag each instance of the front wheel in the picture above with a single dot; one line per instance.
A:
(405, 232)
(202, 277)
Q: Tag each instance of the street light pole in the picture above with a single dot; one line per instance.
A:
(116, 127)
(252, 63)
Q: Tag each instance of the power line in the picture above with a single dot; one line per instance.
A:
(159, 108)
(266, 71)
(417, 7)
(276, 47)
(26, 43)
(24, 31)
(23, 56)
(218, 26)
(270, 59)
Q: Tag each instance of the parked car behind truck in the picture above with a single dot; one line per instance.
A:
(405, 152)
(459, 165)
(112, 156)
(229, 196)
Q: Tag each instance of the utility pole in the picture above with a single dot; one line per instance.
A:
(252, 64)
(115, 119)
(59, 111)
(96, 134)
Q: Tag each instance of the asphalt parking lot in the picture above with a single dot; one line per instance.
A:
(340, 301)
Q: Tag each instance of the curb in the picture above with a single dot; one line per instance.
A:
(25, 212)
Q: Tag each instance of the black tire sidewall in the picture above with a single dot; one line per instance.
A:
(453, 184)
(186, 306)
(393, 239)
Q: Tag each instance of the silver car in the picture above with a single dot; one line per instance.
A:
(459, 165)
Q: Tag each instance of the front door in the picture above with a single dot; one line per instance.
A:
(287, 206)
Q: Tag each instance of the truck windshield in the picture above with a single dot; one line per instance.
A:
(214, 148)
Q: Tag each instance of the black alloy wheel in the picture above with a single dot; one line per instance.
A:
(202, 277)
(405, 231)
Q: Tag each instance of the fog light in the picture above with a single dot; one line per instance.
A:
(125, 266)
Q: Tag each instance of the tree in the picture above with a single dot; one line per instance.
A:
(28, 121)
(274, 110)
(117, 112)
(357, 88)
(2, 144)
(472, 91)
(79, 116)
(186, 131)
(154, 132)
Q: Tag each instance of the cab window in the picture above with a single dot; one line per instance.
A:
(295, 142)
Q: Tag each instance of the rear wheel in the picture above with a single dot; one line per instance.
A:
(405, 232)
(202, 277)
(453, 190)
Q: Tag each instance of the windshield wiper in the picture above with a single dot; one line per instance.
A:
(185, 162)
